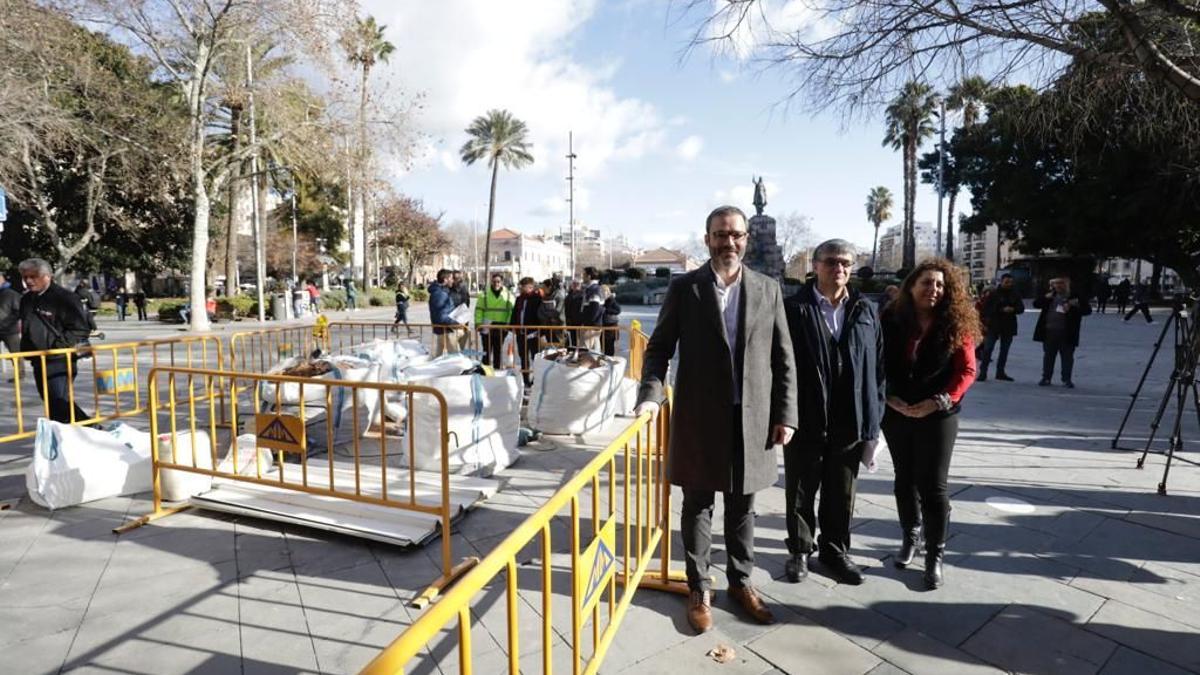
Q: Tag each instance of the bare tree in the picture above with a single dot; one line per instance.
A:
(794, 233)
(857, 54)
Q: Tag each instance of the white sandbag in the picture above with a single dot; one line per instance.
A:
(570, 399)
(73, 464)
(393, 356)
(347, 368)
(247, 448)
(443, 366)
(484, 419)
(179, 485)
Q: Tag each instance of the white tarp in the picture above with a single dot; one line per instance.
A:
(391, 355)
(483, 422)
(73, 464)
(346, 368)
(574, 399)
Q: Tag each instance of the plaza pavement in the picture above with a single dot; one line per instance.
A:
(1062, 559)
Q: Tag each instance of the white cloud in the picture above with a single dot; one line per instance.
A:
(557, 205)
(761, 25)
(450, 161)
(470, 56)
(690, 148)
(727, 76)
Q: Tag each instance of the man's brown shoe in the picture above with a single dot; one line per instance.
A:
(754, 606)
(700, 611)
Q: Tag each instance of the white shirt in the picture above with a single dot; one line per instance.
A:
(835, 317)
(729, 301)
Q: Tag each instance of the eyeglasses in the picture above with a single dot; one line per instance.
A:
(838, 262)
(732, 235)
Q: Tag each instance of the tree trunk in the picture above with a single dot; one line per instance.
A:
(1156, 278)
(195, 96)
(950, 226)
(231, 238)
(487, 244)
(874, 246)
(363, 162)
(260, 184)
(909, 244)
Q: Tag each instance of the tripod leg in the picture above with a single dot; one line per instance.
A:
(1162, 335)
(1177, 432)
(1162, 408)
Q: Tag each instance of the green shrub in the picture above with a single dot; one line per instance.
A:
(168, 311)
(236, 307)
(635, 273)
(662, 272)
(381, 297)
(419, 295)
(333, 299)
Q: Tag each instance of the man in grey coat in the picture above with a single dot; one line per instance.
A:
(734, 406)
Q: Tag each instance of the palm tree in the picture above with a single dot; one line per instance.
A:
(879, 209)
(969, 96)
(365, 46)
(909, 119)
(501, 139)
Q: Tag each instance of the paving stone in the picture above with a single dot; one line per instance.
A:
(1148, 633)
(690, 657)
(43, 654)
(837, 611)
(916, 652)
(1022, 640)
(1125, 661)
(1146, 591)
(34, 617)
(886, 668)
(804, 645)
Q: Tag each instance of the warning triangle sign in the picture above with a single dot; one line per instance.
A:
(602, 562)
(276, 431)
(281, 432)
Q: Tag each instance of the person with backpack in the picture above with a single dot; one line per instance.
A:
(52, 317)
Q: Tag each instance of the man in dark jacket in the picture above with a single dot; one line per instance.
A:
(999, 317)
(525, 313)
(1058, 328)
(573, 312)
(734, 404)
(461, 295)
(10, 321)
(440, 306)
(52, 318)
(839, 373)
(1122, 295)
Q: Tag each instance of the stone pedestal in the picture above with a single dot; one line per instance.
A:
(763, 253)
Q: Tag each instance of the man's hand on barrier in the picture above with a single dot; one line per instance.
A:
(646, 407)
(781, 434)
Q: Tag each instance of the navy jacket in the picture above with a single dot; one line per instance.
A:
(440, 306)
(809, 344)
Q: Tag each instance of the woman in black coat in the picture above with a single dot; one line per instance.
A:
(929, 335)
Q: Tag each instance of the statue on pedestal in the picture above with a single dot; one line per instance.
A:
(763, 254)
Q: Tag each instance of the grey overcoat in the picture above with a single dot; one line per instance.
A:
(703, 446)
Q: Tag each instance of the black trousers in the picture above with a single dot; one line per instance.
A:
(527, 348)
(609, 339)
(492, 341)
(989, 345)
(141, 309)
(1121, 303)
(57, 389)
(1143, 307)
(1101, 304)
(696, 528)
(1053, 347)
(832, 470)
(921, 451)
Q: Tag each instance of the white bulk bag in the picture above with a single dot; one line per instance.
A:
(483, 420)
(179, 485)
(73, 464)
(391, 355)
(247, 447)
(442, 366)
(346, 368)
(569, 399)
(342, 414)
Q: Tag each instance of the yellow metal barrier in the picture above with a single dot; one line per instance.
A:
(112, 380)
(630, 515)
(284, 428)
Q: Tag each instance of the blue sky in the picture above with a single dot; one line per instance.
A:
(660, 141)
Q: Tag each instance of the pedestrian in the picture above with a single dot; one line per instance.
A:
(314, 297)
(139, 302)
(495, 306)
(553, 310)
(122, 298)
(10, 321)
(929, 357)
(573, 314)
(1103, 293)
(1141, 302)
(734, 404)
(460, 293)
(1122, 294)
(592, 310)
(90, 300)
(525, 313)
(611, 320)
(1058, 328)
(838, 348)
(402, 299)
(351, 295)
(440, 305)
(999, 318)
(52, 318)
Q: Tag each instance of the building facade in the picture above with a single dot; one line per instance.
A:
(977, 253)
(518, 255)
(675, 261)
(891, 245)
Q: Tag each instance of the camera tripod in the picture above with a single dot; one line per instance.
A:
(1182, 384)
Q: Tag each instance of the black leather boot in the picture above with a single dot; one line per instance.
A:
(908, 551)
(933, 569)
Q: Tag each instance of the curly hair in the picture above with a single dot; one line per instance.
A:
(954, 316)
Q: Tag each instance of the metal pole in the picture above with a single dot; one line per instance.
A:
(295, 240)
(571, 198)
(259, 263)
(941, 182)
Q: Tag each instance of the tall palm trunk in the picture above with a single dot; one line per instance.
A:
(235, 185)
(362, 167)
(487, 244)
(950, 225)
(875, 245)
(910, 250)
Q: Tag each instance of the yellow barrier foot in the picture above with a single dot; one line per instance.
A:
(435, 589)
(676, 582)
(138, 522)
